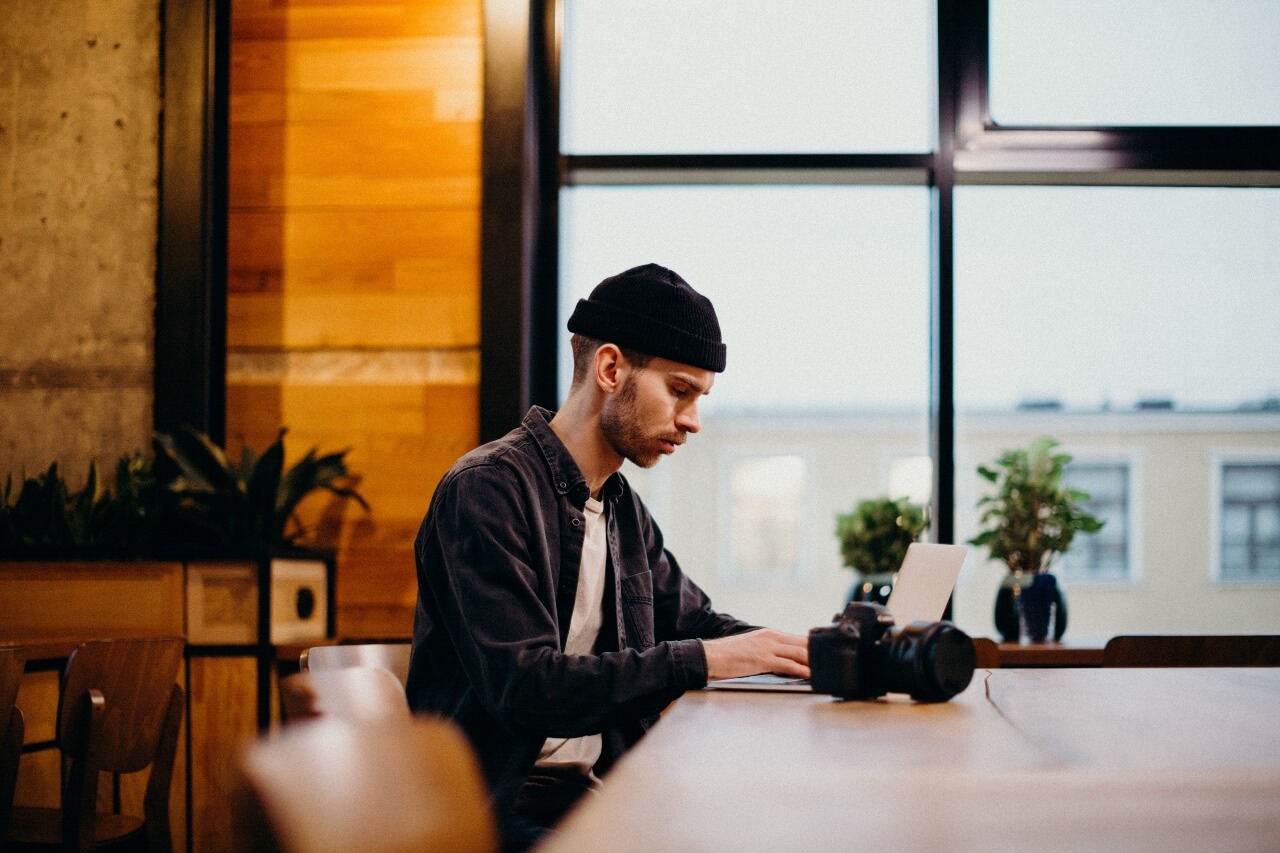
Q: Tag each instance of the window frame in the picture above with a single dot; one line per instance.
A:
(1220, 459)
(524, 171)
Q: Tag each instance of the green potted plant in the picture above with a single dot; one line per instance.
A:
(1028, 521)
(247, 503)
(873, 542)
(190, 495)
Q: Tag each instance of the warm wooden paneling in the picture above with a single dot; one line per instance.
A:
(354, 63)
(271, 19)
(57, 599)
(224, 709)
(401, 439)
(347, 320)
(354, 228)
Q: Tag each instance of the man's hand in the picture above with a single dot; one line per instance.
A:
(765, 650)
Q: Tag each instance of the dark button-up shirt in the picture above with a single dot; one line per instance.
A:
(498, 556)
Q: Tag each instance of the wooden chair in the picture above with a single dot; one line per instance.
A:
(1133, 650)
(11, 731)
(393, 657)
(332, 786)
(119, 712)
(353, 693)
(988, 653)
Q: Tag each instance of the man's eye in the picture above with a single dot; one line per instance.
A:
(679, 392)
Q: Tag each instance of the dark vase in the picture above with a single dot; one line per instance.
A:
(1006, 613)
(873, 589)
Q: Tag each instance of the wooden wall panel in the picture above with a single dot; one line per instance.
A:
(224, 710)
(353, 262)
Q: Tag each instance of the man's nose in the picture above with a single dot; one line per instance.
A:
(687, 419)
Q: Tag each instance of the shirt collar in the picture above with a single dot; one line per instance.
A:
(566, 476)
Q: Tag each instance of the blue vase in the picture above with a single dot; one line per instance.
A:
(1006, 612)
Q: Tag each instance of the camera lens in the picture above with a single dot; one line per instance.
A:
(932, 661)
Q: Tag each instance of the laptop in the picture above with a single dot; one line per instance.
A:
(925, 581)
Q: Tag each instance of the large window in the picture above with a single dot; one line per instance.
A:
(935, 231)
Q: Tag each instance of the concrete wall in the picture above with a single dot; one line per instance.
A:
(79, 120)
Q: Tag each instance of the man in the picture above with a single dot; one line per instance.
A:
(551, 623)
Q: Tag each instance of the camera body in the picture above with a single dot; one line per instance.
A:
(864, 655)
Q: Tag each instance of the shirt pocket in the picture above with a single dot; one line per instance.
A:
(637, 609)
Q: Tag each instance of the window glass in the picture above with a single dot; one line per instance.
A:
(822, 297)
(747, 76)
(1133, 318)
(1140, 62)
(821, 292)
(1106, 298)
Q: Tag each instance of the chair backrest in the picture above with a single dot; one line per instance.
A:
(11, 731)
(136, 678)
(332, 785)
(393, 657)
(12, 660)
(353, 693)
(1135, 650)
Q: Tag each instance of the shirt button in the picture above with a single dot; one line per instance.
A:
(576, 522)
(564, 485)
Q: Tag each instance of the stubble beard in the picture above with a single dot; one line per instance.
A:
(620, 425)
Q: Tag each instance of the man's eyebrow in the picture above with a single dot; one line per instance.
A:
(691, 382)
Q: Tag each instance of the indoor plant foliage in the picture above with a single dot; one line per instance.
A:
(189, 495)
(44, 511)
(874, 539)
(250, 502)
(1030, 519)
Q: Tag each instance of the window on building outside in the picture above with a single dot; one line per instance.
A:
(1250, 525)
(767, 511)
(1101, 557)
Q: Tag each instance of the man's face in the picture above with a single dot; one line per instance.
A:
(654, 410)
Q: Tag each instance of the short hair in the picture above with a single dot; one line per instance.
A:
(584, 351)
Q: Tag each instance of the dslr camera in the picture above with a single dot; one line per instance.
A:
(863, 655)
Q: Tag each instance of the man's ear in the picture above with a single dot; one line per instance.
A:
(610, 368)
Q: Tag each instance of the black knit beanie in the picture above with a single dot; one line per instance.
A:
(654, 311)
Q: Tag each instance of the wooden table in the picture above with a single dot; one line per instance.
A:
(1024, 759)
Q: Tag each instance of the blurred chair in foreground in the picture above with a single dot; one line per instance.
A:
(352, 693)
(393, 657)
(11, 732)
(393, 786)
(119, 712)
(1134, 650)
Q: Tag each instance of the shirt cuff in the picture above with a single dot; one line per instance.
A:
(689, 662)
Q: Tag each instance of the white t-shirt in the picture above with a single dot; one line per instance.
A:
(584, 631)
